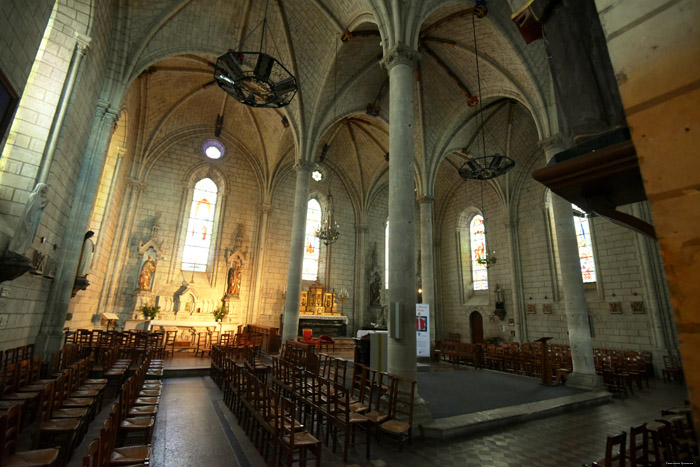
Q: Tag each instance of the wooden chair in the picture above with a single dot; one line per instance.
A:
(639, 451)
(202, 344)
(10, 423)
(614, 452)
(289, 439)
(110, 455)
(343, 419)
(401, 423)
(380, 411)
(169, 344)
(672, 369)
(50, 432)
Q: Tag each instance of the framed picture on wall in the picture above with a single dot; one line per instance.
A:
(8, 104)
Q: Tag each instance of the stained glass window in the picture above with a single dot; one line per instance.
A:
(311, 242)
(477, 239)
(386, 256)
(200, 226)
(585, 247)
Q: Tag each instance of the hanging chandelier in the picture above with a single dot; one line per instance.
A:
(484, 167)
(255, 78)
(328, 233)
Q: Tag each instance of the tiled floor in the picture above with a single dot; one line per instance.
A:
(194, 428)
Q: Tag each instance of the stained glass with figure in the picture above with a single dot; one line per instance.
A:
(477, 236)
(200, 226)
(585, 246)
(311, 242)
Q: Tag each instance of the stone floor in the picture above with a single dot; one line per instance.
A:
(194, 428)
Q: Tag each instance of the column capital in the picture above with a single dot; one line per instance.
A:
(304, 166)
(82, 42)
(136, 184)
(361, 228)
(400, 54)
(425, 199)
(266, 208)
(551, 146)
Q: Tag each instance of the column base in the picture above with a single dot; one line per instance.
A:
(421, 411)
(589, 382)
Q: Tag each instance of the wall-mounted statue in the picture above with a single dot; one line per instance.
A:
(233, 283)
(375, 289)
(29, 221)
(86, 255)
(146, 274)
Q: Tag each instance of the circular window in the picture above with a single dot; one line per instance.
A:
(317, 175)
(213, 149)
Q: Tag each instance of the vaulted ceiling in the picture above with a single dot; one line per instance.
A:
(343, 98)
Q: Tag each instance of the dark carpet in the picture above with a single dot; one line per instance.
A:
(460, 390)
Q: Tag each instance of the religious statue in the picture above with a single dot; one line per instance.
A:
(375, 290)
(500, 300)
(146, 275)
(29, 221)
(234, 280)
(585, 87)
(86, 255)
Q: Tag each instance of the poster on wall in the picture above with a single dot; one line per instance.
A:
(423, 330)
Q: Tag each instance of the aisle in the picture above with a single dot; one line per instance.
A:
(192, 430)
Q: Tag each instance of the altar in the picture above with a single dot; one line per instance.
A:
(318, 311)
(333, 326)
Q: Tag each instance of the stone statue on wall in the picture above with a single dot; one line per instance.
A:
(375, 290)
(29, 221)
(148, 270)
(86, 255)
(234, 280)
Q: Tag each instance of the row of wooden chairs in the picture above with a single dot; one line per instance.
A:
(125, 438)
(16, 355)
(65, 405)
(669, 440)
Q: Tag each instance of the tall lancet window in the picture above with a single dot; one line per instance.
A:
(477, 239)
(311, 242)
(585, 245)
(200, 226)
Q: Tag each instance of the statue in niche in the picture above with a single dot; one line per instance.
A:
(147, 272)
(86, 254)
(585, 87)
(29, 221)
(500, 300)
(375, 290)
(233, 286)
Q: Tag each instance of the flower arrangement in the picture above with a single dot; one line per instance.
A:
(220, 313)
(150, 312)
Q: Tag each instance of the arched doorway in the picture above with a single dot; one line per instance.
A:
(476, 323)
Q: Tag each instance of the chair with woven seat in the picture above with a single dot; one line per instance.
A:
(639, 452)
(110, 455)
(202, 344)
(9, 431)
(343, 419)
(289, 439)
(672, 369)
(380, 411)
(400, 424)
(615, 453)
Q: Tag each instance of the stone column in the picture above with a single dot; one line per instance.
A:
(656, 294)
(400, 63)
(517, 279)
(296, 251)
(358, 298)
(260, 260)
(584, 375)
(50, 336)
(427, 260)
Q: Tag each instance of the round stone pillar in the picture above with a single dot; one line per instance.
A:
(400, 63)
(584, 375)
(290, 319)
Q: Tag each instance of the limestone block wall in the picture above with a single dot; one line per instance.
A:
(23, 301)
(85, 306)
(457, 303)
(22, 26)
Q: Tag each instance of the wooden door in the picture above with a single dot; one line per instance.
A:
(476, 323)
